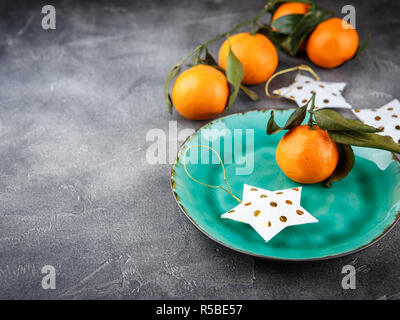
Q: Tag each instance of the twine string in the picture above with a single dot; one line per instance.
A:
(302, 67)
(229, 191)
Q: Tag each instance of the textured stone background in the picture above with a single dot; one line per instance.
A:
(75, 189)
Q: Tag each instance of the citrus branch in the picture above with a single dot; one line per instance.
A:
(236, 27)
(198, 51)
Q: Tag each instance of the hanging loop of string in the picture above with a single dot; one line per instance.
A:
(228, 190)
(302, 67)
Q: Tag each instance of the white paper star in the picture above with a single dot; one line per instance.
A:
(327, 94)
(269, 212)
(386, 117)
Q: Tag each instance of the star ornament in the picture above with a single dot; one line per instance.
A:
(386, 118)
(269, 212)
(327, 94)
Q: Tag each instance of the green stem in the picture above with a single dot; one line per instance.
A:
(223, 35)
(199, 47)
(198, 50)
(311, 121)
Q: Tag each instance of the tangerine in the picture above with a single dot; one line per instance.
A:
(256, 53)
(331, 44)
(307, 155)
(200, 93)
(291, 8)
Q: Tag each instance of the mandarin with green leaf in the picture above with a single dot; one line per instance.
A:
(256, 53)
(291, 8)
(307, 154)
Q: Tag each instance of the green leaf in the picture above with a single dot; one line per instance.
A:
(304, 27)
(272, 126)
(170, 76)
(234, 74)
(295, 119)
(363, 46)
(363, 139)
(331, 120)
(209, 59)
(291, 42)
(345, 164)
(286, 24)
(275, 37)
(250, 93)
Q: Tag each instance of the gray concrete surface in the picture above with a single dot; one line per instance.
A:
(76, 192)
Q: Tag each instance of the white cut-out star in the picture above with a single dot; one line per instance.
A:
(327, 94)
(269, 212)
(386, 117)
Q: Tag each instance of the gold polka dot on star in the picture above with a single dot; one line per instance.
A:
(385, 118)
(328, 94)
(268, 218)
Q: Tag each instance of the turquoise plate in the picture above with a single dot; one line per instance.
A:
(353, 214)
